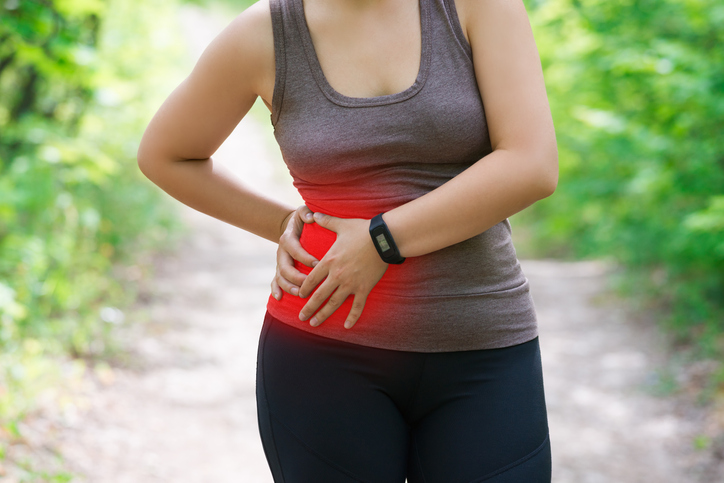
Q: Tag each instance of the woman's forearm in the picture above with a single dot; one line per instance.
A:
(496, 187)
(213, 190)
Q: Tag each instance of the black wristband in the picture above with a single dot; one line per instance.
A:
(383, 241)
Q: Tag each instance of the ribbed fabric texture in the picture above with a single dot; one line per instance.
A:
(357, 157)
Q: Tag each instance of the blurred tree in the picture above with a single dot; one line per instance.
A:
(78, 80)
(637, 94)
(46, 84)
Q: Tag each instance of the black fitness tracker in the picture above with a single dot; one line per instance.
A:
(383, 241)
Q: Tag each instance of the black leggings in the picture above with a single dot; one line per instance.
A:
(336, 412)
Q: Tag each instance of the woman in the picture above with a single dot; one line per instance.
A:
(405, 346)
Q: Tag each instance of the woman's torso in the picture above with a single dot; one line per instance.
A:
(355, 157)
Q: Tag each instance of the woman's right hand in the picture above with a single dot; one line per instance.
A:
(288, 278)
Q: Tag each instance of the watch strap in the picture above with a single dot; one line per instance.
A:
(383, 241)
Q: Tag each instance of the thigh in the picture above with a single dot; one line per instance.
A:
(324, 415)
(482, 417)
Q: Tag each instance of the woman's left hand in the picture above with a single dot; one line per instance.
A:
(352, 266)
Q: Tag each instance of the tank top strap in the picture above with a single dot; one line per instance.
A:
(294, 78)
(453, 22)
(280, 61)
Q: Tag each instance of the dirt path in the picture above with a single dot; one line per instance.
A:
(188, 414)
(599, 364)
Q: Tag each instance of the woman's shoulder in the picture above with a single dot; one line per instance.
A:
(256, 18)
(250, 33)
(246, 47)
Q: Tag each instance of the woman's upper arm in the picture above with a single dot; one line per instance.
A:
(510, 79)
(206, 107)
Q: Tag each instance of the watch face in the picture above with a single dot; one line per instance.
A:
(382, 242)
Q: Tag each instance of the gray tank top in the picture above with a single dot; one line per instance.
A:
(356, 157)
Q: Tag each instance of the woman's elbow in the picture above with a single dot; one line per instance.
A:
(145, 162)
(149, 156)
(550, 179)
(548, 176)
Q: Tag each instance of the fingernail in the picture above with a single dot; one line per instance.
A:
(348, 325)
(318, 216)
(309, 216)
(314, 263)
(302, 316)
(313, 322)
(276, 295)
(295, 291)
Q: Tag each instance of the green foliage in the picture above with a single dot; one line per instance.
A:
(637, 95)
(79, 80)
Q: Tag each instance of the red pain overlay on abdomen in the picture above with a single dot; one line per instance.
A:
(317, 241)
